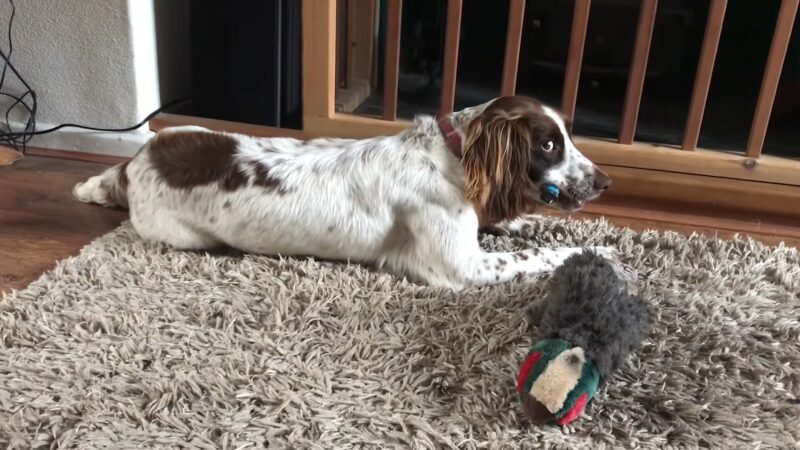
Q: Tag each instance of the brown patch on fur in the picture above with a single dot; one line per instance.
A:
(118, 192)
(522, 256)
(263, 178)
(492, 230)
(187, 159)
(227, 204)
(122, 180)
(500, 160)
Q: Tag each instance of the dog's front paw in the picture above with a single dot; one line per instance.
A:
(494, 230)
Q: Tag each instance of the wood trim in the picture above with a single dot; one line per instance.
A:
(772, 76)
(391, 66)
(700, 162)
(705, 69)
(76, 156)
(164, 120)
(641, 51)
(450, 64)
(319, 58)
(577, 42)
(698, 190)
(638, 155)
(516, 21)
(353, 126)
(639, 218)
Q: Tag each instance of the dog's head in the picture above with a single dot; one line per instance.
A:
(515, 146)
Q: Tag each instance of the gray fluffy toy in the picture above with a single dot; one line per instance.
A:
(589, 322)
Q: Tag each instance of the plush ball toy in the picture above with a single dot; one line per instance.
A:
(550, 193)
(588, 324)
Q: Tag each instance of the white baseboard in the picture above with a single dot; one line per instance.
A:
(100, 143)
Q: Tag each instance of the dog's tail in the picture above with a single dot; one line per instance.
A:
(109, 189)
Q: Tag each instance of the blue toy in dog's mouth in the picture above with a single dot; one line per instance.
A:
(550, 193)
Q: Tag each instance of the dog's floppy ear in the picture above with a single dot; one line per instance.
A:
(497, 156)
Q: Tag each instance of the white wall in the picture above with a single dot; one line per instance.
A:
(92, 62)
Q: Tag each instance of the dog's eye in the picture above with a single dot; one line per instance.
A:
(548, 146)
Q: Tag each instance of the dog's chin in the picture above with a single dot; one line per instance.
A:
(570, 205)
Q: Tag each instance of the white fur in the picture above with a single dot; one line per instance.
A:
(574, 164)
(395, 201)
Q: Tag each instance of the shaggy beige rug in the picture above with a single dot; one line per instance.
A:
(132, 344)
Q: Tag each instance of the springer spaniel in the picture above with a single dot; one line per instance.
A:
(412, 202)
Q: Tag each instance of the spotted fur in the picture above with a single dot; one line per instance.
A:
(407, 202)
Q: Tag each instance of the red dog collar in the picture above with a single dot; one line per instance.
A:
(451, 137)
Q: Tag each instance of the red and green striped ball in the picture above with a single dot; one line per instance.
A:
(555, 382)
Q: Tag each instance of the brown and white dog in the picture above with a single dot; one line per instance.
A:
(412, 202)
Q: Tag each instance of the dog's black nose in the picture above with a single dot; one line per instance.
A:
(601, 180)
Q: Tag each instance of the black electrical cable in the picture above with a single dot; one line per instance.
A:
(27, 100)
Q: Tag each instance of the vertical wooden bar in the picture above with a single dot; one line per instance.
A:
(342, 44)
(705, 68)
(391, 67)
(319, 58)
(450, 65)
(633, 94)
(577, 41)
(516, 20)
(772, 76)
(346, 46)
(361, 34)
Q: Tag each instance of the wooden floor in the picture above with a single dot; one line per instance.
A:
(40, 222)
